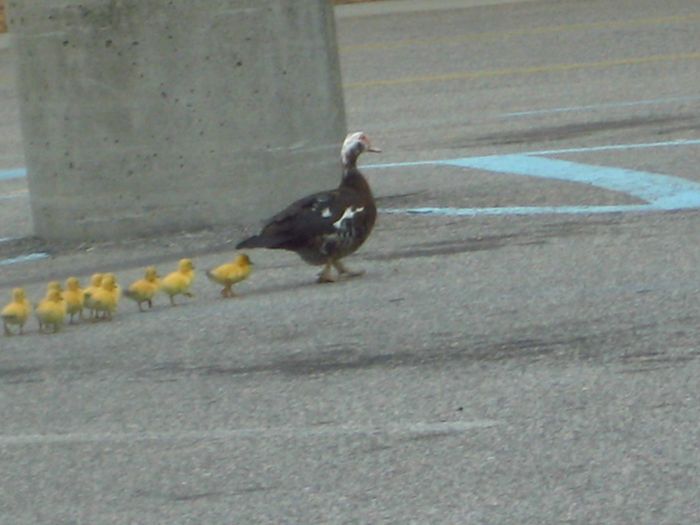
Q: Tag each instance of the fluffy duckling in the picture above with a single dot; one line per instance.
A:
(53, 285)
(51, 311)
(95, 283)
(117, 288)
(231, 273)
(179, 281)
(16, 312)
(74, 296)
(106, 298)
(143, 290)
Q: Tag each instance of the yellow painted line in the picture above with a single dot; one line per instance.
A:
(497, 35)
(549, 68)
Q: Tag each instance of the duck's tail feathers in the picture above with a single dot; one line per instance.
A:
(257, 241)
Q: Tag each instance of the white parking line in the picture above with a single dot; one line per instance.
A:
(393, 429)
(24, 258)
(606, 105)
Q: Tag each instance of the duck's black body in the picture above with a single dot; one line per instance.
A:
(326, 226)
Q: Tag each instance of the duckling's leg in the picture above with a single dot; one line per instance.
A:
(227, 291)
(140, 307)
(7, 329)
(342, 270)
(172, 300)
(150, 303)
(325, 275)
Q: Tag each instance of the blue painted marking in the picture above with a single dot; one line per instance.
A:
(617, 147)
(662, 191)
(24, 258)
(590, 149)
(518, 210)
(659, 192)
(593, 107)
(13, 174)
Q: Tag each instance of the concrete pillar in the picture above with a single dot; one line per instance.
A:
(146, 116)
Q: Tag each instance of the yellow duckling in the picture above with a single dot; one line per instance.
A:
(16, 312)
(51, 311)
(179, 281)
(117, 288)
(74, 296)
(143, 290)
(53, 285)
(231, 273)
(106, 298)
(95, 283)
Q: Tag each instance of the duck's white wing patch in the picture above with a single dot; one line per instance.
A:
(348, 214)
(326, 212)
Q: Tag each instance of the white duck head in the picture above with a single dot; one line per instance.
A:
(355, 144)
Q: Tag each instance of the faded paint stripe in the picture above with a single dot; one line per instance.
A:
(14, 195)
(535, 31)
(530, 70)
(13, 174)
(605, 105)
(519, 210)
(661, 190)
(24, 258)
(588, 149)
(401, 429)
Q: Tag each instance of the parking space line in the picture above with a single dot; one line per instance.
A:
(585, 149)
(528, 70)
(400, 429)
(517, 210)
(594, 107)
(24, 258)
(14, 195)
(544, 30)
(618, 147)
(659, 192)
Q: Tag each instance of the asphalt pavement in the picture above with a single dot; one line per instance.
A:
(523, 348)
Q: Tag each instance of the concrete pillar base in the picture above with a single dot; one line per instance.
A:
(141, 117)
